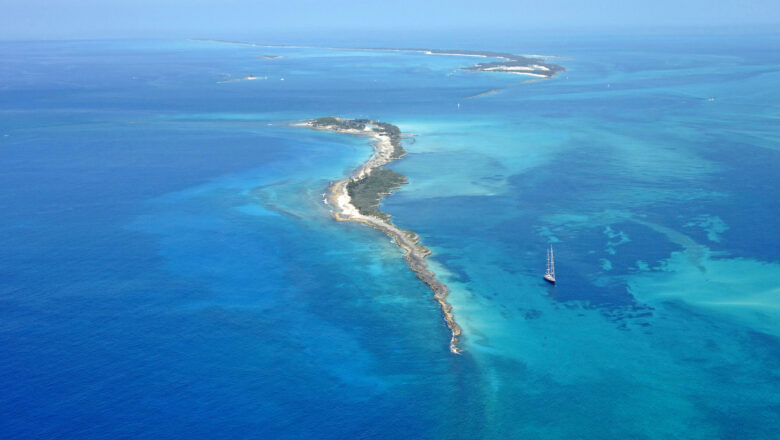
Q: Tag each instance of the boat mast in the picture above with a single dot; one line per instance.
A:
(552, 262)
(548, 261)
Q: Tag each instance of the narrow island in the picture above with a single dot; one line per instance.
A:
(357, 199)
(531, 65)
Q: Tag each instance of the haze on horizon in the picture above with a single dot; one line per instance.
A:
(74, 19)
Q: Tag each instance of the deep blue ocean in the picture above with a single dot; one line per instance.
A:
(168, 268)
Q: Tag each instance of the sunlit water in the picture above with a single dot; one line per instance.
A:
(168, 268)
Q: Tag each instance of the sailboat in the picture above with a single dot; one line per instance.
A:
(549, 276)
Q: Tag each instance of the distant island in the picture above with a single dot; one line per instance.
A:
(532, 65)
(517, 64)
(357, 199)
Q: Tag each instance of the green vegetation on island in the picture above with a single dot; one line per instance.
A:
(367, 193)
(333, 122)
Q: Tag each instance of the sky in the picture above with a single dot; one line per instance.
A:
(74, 19)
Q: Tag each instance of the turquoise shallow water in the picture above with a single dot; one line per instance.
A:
(169, 268)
